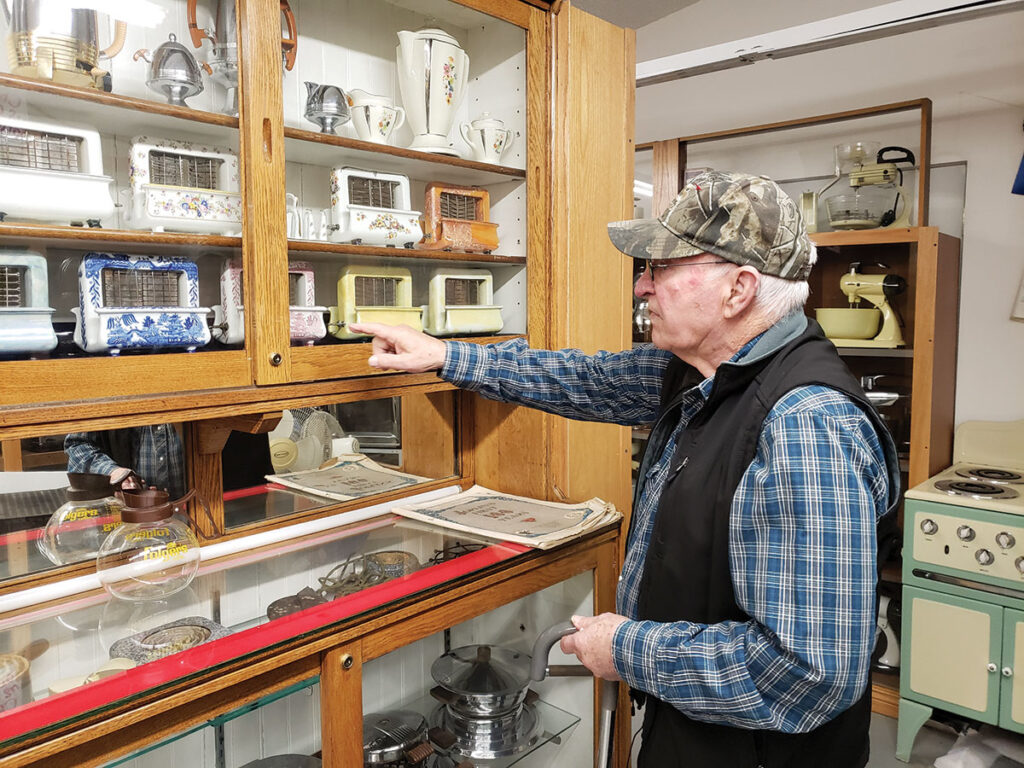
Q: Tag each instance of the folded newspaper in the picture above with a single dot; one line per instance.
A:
(541, 524)
(351, 476)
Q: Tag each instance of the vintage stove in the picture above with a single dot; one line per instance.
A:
(138, 302)
(306, 319)
(458, 218)
(373, 295)
(372, 208)
(963, 585)
(25, 314)
(184, 187)
(461, 301)
(52, 173)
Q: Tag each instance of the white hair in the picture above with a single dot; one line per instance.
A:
(777, 297)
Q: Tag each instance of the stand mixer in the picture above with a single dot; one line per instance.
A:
(875, 177)
(859, 327)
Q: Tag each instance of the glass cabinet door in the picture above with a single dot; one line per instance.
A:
(405, 192)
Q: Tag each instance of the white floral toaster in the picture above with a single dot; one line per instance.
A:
(373, 295)
(184, 187)
(52, 173)
(138, 302)
(461, 301)
(372, 208)
(25, 315)
(306, 319)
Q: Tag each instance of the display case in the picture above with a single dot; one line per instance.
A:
(253, 108)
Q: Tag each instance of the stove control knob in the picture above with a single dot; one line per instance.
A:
(1005, 540)
(929, 526)
(984, 557)
(965, 533)
(1019, 562)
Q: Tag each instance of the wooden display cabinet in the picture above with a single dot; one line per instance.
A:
(569, 67)
(924, 368)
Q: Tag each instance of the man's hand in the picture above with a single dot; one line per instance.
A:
(592, 644)
(400, 348)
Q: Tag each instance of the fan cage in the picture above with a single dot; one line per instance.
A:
(461, 291)
(376, 291)
(456, 206)
(24, 148)
(177, 170)
(12, 286)
(140, 288)
(373, 193)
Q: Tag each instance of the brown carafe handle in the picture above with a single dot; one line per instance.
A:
(217, 530)
(289, 42)
(197, 32)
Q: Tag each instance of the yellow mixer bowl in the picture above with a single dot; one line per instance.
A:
(849, 322)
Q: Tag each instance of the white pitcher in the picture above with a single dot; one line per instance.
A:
(433, 73)
(488, 138)
(374, 117)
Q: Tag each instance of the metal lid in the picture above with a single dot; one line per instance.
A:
(482, 669)
(387, 736)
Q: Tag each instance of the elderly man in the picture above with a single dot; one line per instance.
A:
(747, 597)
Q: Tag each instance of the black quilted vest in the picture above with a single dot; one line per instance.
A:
(687, 575)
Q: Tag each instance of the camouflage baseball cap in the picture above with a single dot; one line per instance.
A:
(742, 218)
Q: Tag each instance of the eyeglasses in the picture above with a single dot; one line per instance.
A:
(660, 268)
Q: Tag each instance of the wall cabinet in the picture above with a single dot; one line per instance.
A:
(531, 68)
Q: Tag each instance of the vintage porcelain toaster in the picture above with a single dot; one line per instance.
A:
(138, 302)
(52, 173)
(306, 319)
(25, 317)
(461, 301)
(458, 218)
(371, 208)
(373, 295)
(184, 187)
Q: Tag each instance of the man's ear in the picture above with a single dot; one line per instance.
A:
(742, 291)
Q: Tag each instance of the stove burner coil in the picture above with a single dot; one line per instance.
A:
(975, 490)
(991, 475)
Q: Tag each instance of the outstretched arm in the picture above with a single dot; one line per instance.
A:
(400, 348)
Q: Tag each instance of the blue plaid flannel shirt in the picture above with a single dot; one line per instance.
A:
(157, 456)
(801, 539)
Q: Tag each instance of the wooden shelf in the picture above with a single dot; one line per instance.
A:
(865, 237)
(313, 246)
(133, 115)
(56, 236)
(330, 151)
(874, 352)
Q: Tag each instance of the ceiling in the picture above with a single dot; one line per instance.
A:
(631, 13)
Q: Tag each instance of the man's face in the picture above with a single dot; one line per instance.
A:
(684, 297)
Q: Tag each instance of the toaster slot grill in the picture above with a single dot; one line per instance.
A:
(373, 193)
(455, 206)
(140, 288)
(12, 286)
(460, 292)
(176, 170)
(296, 296)
(376, 291)
(22, 148)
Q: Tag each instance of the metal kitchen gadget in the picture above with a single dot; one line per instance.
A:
(327, 106)
(372, 208)
(458, 219)
(52, 40)
(368, 294)
(223, 59)
(138, 302)
(396, 738)
(461, 301)
(25, 314)
(173, 71)
(856, 326)
(52, 173)
(184, 187)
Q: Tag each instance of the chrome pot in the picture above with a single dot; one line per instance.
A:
(482, 681)
(173, 71)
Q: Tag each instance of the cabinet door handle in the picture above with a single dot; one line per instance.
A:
(991, 667)
(1007, 672)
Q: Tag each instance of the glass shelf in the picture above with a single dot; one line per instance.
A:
(344, 573)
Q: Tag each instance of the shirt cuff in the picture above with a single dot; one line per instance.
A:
(635, 650)
(465, 364)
